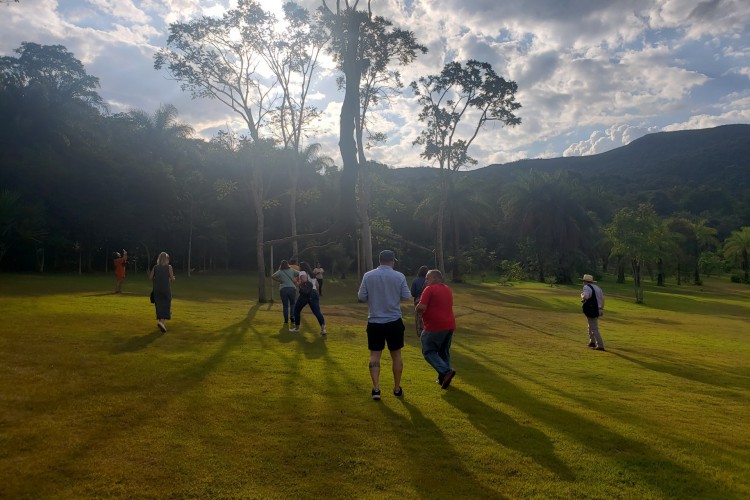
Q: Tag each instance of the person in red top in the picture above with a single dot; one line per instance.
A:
(120, 261)
(436, 307)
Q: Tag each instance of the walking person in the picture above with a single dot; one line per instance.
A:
(162, 276)
(287, 279)
(592, 299)
(383, 289)
(308, 294)
(318, 273)
(436, 308)
(120, 261)
(417, 285)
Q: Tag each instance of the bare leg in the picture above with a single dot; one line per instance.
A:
(398, 367)
(375, 368)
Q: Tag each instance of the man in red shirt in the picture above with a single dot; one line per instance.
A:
(436, 308)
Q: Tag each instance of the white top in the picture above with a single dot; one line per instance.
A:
(303, 277)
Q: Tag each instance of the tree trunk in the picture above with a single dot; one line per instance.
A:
(440, 254)
(257, 190)
(636, 265)
(620, 270)
(348, 121)
(190, 240)
(293, 207)
(366, 260)
(660, 272)
(679, 274)
(540, 263)
(457, 270)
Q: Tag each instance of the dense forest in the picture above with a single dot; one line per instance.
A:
(78, 182)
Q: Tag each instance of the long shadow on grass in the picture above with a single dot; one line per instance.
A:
(431, 454)
(736, 378)
(636, 458)
(136, 343)
(312, 349)
(507, 432)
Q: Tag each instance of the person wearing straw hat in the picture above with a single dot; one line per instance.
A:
(592, 299)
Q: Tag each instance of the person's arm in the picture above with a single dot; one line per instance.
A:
(171, 273)
(362, 293)
(275, 277)
(423, 301)
(405, 292)
(151, 274)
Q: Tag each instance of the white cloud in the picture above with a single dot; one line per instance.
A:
(592, 75)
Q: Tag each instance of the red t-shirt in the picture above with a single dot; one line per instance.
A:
(439, 313)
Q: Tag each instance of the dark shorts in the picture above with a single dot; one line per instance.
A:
(378, 334)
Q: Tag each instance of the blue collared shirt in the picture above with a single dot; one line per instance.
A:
(383, 289)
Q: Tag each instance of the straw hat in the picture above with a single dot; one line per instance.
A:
(588, 277)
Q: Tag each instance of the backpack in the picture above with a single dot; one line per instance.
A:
(591, 305)
(306, 287)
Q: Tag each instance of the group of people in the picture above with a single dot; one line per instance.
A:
(383, 289)
(300, 286)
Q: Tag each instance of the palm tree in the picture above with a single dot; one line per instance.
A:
(306, 161)
(546, 213)
(737, 245)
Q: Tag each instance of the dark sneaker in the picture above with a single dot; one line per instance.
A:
(447, 379)
(399, 392)
(600, 349)
(376, 395)
(593, 346)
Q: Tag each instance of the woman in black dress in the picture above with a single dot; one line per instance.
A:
(162, 276)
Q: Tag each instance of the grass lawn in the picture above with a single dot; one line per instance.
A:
(95, 402)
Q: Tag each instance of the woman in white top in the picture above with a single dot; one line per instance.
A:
(308, 294)
(318, 273)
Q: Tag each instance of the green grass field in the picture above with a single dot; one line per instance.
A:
(95, 402)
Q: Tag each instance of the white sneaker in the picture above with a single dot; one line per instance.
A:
(323, 331)
(162, 327)
(293, 328)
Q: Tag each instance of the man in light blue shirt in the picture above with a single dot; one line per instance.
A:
(383, 289)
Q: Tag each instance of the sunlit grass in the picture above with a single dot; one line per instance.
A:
(95, 402)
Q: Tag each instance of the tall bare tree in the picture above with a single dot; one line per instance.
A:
(474, 92)
(292, 50)
(212, 62)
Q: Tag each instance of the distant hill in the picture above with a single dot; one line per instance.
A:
(705, 172)
(707, 156)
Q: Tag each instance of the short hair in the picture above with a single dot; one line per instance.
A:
(163, 259)
(437, 274)
(422, 271)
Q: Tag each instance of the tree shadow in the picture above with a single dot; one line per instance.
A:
(734, 378)
(427, 446)
(507, 432)
(634, 457)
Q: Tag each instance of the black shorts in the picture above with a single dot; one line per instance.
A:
(380, 333)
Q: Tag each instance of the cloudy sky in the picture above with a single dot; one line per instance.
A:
(592, 74)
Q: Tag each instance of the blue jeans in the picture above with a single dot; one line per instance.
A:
(288, 294)
(314, 300)
(436, 348)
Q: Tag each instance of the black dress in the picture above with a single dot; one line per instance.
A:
(162, 292)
